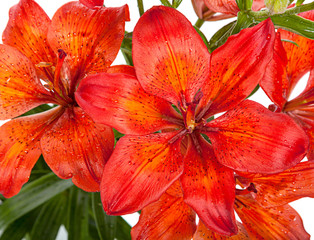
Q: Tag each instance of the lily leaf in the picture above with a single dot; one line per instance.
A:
(107, 226)
(31, 196)
(166, 3)
(126, 48)
(176, 3)
(78, 215)
(221, 36)
(50, 218)
(296, 24)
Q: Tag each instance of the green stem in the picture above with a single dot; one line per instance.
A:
(265, 13)
(199, 23)
(140, 7)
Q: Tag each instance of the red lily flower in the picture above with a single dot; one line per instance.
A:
(171, 218)
(59, 52)
(289, 64)
(173, 66)
(208, 9)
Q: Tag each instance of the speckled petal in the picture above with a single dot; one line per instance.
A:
(301, 57)
(167, 218)
(119, 101)
(281, 222)
(275, 82)
(170, 58)
(27, 31)
(203, 233)
(209, 188)
(91, 38)
(20, 149)
(250, 138)
(20, 88)
(75, 147)
(285, 187)
(236, 68)
(143, 168)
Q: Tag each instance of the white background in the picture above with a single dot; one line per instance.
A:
(304, 206)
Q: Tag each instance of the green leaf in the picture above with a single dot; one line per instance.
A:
(221, 36)
(176, 3)
(202, 36)
(296, 24)
(244, 21)
(254, 91)
(126, 48)
(39, 109)
(31, 196)
(50, 218)
(290, 41)
(106, 225)
(20, 227)
(166, 3)
(299, 2)
(78, 215)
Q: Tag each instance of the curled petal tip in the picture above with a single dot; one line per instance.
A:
(92, 3)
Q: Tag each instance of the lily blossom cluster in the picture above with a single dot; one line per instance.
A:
(193, 144)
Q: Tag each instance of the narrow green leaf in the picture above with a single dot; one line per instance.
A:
(244, 21)
(296, 24)
(126, 48)
(221, 36)
(39, 109)
(123, 229)
(290, 41)
(299, 2)
(254, 91)
(166, 3)
(176, 3)
(78, 215)
(106, 225)
(20, 227)
(202, 36)
(31, 196)
(50, 218)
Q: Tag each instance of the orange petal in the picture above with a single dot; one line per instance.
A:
(119, 101)
(20, 89)
(281, 222)
(250, 138)
(143, 168)
(168, 218)
(170, 58)
(209, 188)
(75, 147)
(301, 57)
(236, 68)
(285, 187)
(275, 82)
(203, 233)
(20, 149)
(27, 31)
(91, 38)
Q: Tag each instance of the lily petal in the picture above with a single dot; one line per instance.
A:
(119, 101)
(168, 218)
(285, 187)
(170, 58)
(20, 149)
(27, 31)
(237, 67)
(209, 188)
(281, 222)
(92, 3)
(203, 233)
(250, 138)
(20, 89)
(143, 168)
(301, 57)
(91, 38)
(75, 147)
(275, 82)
